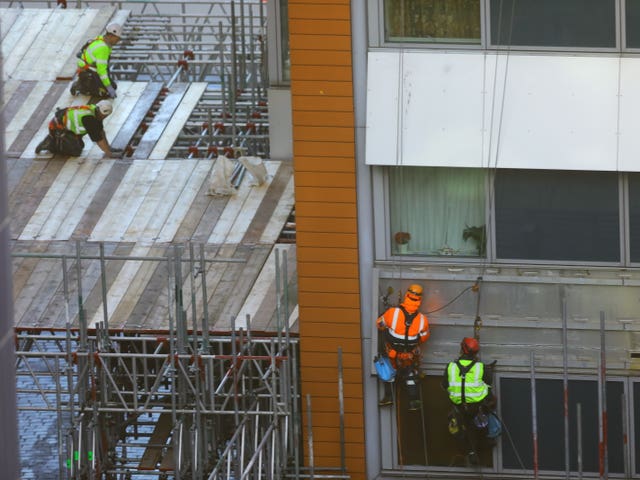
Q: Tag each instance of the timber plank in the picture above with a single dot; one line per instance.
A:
(26, 266)
(160, 121)
(117, 290)
(92, 280)
(260, 303)
(29, 102)
(137, 114)
(154, 202)
(172, 190)
(210, 217)
(254, 230)
(153, 296)
(184, 200)
(280, 215)
(251, 205)
(244, 281)
(56, 310)
(9, 88)
(49, 206)
(124, 203)
(8, 17)
(37, 126)
(157, 442)
(27, 204)
(125, 313)
(100, 200)
(128, 95)
(231, 211)
(21, 37)
(175, 125)
(13, 101)
(195, 216)
(77, 207)
(43, 60)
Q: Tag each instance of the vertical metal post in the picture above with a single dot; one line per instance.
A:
(234, 75)
(278, 298)
(625, 436)
(565, 384)
(534, 416)
(579, 438)
(602, 403)
(205, 302)
(103, 283)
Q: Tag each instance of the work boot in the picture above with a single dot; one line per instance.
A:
(75, 88)
(415, 405)
(472, 458)
(385, 401)
(44, 145)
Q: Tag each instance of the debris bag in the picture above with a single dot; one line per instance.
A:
(255, 166)
(220, 180)
(494, 428)
(384, 369)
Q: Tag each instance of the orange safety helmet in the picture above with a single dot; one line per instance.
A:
(469, 346)
(414, 292)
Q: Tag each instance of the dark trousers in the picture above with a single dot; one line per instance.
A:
(65, 142)
(89, 83)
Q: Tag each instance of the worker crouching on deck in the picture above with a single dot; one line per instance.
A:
(468, 383)
(93, 74)
(403, 329)
(70, 124)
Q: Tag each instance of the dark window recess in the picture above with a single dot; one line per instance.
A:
(557, 215)
(515, 401)
(554, 23)
(636, 422)
(633, 23)
(634, 216)
(430, 443)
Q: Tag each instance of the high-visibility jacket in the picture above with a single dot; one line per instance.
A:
(96, 57)
(404, 333)
(71, 118)
(475, 389)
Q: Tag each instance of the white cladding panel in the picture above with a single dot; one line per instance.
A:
(531, 111)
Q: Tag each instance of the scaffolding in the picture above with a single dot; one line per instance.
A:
(182, 403)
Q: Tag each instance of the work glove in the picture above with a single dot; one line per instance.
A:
(111, 92)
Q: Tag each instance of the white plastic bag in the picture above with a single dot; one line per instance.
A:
(255, 166)
(220, 180)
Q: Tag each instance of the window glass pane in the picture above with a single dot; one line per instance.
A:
(633, 23)
(515, 401)
(634, 216)
(446, 21)
(556, 215)
(553, 23)
(442, 210)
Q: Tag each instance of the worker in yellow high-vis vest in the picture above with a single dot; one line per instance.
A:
(93, 74)
(70, 124)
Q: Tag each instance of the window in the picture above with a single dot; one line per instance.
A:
(634, 216)
(557, 215)
(515, 401)
(445, 21)
(553, 23)
(441, 209)
(632, 14)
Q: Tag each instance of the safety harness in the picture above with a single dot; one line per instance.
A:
(61, 120)
(463, 374)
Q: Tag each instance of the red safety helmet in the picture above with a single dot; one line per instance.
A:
(469, 346)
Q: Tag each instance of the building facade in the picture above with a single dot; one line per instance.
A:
(501, 136)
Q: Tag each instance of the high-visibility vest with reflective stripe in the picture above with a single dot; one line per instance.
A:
(394, 321)
(74, 115)
(474, 387)
(96, 57)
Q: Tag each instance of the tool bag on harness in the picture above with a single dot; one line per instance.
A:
(384, 369)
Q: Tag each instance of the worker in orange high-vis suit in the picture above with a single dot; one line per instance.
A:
(403, 329)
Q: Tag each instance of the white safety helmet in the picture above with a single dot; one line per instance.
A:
(105, 107)
(115, 29)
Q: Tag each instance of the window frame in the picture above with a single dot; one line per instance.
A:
(377, 38)
(383, 248)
